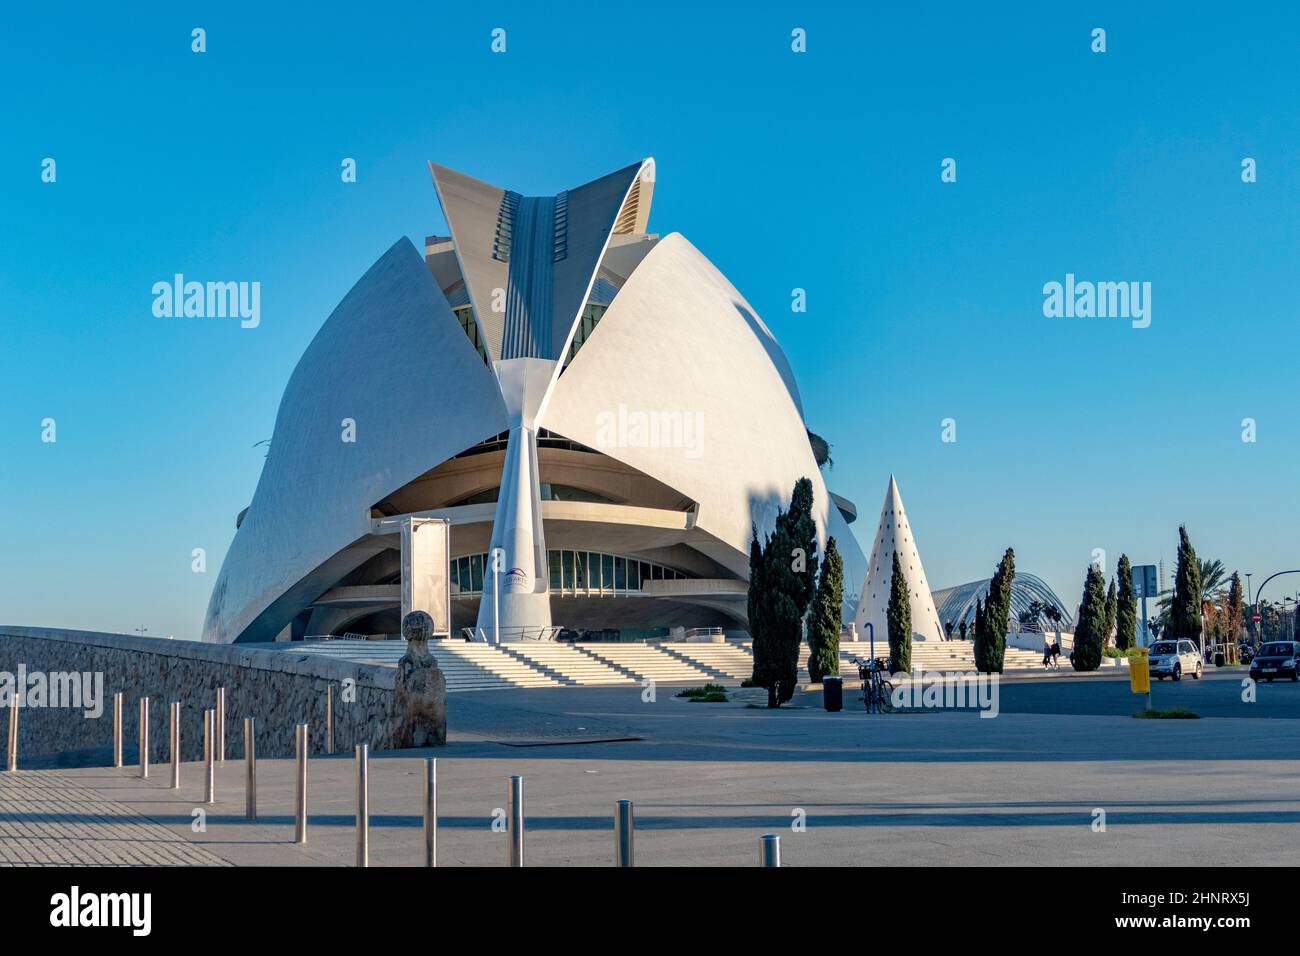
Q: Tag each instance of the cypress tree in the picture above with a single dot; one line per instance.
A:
(764, 664)
(898, 616)
(784, 592)
(1125, 606)
(802, 529)
(991, 626)
(1111, 610)
(1185, 609)
(827, 616)
(801, 532)
(782, 615)
(1090, 635)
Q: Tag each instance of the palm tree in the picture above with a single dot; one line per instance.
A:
(1214, 582)
(1214, 578)
(1030, 617)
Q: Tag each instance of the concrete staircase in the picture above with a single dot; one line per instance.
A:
(472, 666)
(566, 664)
(482, 666)
(371, 652)
(720, 661)
(464, 666)
(646, 662)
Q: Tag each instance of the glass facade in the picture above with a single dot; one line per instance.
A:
(591, 316)
(571, 572)
(549, 491)
(958, 603)
(465, 314)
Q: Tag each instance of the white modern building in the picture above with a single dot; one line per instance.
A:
(597, 402)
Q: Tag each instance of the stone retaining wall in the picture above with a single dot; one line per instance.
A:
(278, 688)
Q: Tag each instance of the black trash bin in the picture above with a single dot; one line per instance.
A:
(1218, 658)
(832, 693)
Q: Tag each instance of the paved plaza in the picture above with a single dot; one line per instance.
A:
(939, 788)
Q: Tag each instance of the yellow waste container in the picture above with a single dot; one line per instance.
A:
(1139, 670)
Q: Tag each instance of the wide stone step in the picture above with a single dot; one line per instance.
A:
(569, 664)
(646, 662)
(722, 661)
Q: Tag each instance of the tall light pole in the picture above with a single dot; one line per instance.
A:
(1259, 596)
(498, 559)
(1250, 603)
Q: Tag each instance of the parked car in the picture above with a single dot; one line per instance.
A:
(1277, 659)
(1174, 658)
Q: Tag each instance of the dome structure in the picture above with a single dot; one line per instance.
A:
(957, 603)
(594, 400)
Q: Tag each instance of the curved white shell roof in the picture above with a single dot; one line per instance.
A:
(393, 359)
(679, 339)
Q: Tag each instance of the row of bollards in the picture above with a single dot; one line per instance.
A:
(216, 743)
(769, 850)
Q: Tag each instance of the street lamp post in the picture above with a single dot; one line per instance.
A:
(1259, 595)
(1250, 603)
(498, 561)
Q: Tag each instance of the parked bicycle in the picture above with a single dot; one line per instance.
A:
(877, 690)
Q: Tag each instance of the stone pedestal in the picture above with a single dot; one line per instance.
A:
(420, 691)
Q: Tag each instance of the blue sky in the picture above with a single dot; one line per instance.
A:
(818, 170)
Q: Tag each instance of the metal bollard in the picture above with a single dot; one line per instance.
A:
(174, 743)
(431, 812)
(300, 786)
(515, 822)
(144, 736)
(13, 736)
(624, 829)
(769, 850)
(363, 804)
(329, 718)
(220, 718)
(209, 756)
(250, 770)
(117, 729)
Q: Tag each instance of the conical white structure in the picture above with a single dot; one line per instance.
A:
(895, 534)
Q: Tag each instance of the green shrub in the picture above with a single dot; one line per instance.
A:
(1173, 713)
